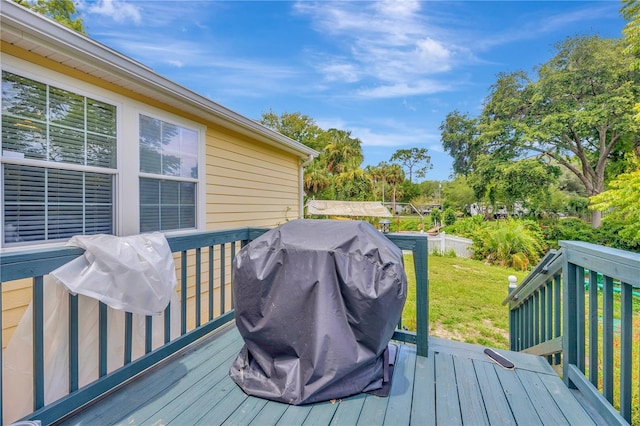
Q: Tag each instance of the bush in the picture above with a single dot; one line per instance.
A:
(571, 229)
(466, 226)
(513, 243)
(449, 217)
(436, 217)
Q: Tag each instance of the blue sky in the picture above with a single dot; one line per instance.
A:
(388, 71)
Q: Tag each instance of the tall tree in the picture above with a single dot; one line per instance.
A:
(413, 160)
(342, 151)
(394, 176)
(63, 11)
(578, 111)
(460, 138)
(296, 126)
(631, 12)
(621, 202)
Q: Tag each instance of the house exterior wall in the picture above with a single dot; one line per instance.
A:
(246, 182)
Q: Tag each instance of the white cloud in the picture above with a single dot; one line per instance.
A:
(118, 10)
(343, 72)
(389, 44)
(401, 89)
(393, 137)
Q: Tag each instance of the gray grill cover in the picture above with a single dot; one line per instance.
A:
(316, 302)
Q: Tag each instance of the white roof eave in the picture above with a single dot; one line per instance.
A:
(43, 36)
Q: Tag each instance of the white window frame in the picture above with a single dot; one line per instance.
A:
(126, 175)
(199, 181)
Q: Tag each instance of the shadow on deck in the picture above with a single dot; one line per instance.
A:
(456, 384)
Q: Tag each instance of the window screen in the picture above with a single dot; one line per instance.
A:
(41, 125)
(168, 201)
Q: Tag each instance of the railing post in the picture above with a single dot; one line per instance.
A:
(422, 295)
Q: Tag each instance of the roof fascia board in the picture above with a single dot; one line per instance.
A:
(46, 32)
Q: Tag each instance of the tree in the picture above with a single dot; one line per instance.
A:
(460, 138)
(622, 203)
(578, 112)
(62, 11)
(436, 217)
(414, 159)
(394, 176)
(316, 179)
(353, 184)
(449, 217)
(631, 12)
(458, 194)
(342, 151)
(296, 126)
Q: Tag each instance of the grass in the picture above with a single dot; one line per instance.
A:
(465, 300)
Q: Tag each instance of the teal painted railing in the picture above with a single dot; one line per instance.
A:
(203, 261)
(559, 311)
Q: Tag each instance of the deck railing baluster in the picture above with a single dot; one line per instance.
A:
(233, 256)
(223, 280)
(542, 324)
(549, 316)
(570, 339)
(593, 327)
(148, 334)
(102, 339)
(212, 284)
(183, 292)
(626, 347)
(128, 337)
(607, 358)
(557, 303)
(38, 342)
(167, 323)
(73, 342)
(198, 285)
(580, 320)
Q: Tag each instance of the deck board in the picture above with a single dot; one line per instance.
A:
(495, 402)
(471, 403)
(455, 384)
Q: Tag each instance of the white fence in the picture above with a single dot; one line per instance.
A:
(443, 243)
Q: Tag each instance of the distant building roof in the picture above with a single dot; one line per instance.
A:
(347, 208)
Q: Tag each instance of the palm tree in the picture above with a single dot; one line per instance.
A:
(342, 151)
(354, 184)
(394, 176)
(315, 179)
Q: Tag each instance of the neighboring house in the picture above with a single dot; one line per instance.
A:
(95, 142)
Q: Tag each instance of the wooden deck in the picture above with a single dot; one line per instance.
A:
(455, 384)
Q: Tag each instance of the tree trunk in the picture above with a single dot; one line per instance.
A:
(596, 218)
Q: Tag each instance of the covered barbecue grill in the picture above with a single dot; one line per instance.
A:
(316, 302)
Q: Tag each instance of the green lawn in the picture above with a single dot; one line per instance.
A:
(465, 300)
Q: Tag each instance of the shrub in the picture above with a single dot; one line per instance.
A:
(466, 226)
(572, 229)
(436, 217)
(513, 243)
(449, 217)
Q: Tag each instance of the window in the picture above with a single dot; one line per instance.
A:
(168, 175)
(58, 162)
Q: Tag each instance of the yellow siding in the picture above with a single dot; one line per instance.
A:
(249, 184)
